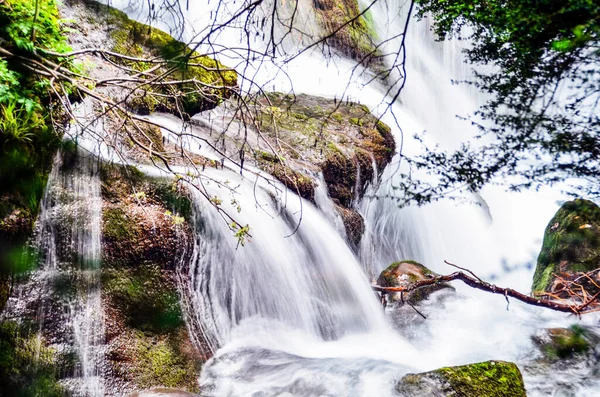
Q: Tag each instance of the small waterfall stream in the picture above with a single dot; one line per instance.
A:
(65, 291)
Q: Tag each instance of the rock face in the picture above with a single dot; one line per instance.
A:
(571, 248)
(344, 141)
(405, 273)
(487, 379)
(144, 236)
(351, 33)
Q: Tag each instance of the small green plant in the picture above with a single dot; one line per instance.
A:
(17, 124)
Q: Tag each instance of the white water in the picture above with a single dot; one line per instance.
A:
(72, 200)
(292, 313)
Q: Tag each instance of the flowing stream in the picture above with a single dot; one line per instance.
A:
(290, 311)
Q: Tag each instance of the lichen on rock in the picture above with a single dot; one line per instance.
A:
(571, 247)
(486, 379)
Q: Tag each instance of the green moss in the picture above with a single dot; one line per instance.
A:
(27, 366)
(356, 121)
(571, 241)
(160, 362)
(565, 342)
(210, 82)
(148, 301)
(487, 379)
(117, 225)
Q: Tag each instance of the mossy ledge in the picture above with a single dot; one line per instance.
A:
(205, 82)
(486, 379)
(571, 245)
(343, 140)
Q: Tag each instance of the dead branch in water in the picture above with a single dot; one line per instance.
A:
(585, 304)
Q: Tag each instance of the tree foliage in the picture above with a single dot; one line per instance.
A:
(538, 62)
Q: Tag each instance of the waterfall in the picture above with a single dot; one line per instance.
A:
(289, 309)
(65, 290)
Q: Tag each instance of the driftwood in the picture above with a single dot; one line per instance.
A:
(589, 304)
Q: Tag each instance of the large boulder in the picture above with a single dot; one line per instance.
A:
(404, 274)
(486, 379)
(571, 248)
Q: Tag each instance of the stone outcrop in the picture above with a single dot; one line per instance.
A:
(342, 140)
(404, 274)
(571, 248)
(204, 82)
(486, 379)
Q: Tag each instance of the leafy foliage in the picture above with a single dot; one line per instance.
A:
(541, 72)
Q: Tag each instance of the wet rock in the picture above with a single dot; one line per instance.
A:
(352, 34)
(565, 343)
(343, 140)
(145, 234)
(486, 379)
(354, 225)
(137, 40)
(404, 274)
(571, 248)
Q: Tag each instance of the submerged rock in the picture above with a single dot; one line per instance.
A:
(404, 274)
(571, 248)
(563, 343)
(486, 379)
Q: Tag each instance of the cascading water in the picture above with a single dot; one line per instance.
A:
(291, 310)
(65, 290)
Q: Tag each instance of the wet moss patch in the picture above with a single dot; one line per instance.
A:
(486, 379)
(571, 245)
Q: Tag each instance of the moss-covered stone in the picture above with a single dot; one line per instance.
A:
(156, 360)
(28, 367)
(405, 273)
(563, 343)
(351, 33)
(571, 246)
(145, 296)
(294, 180)
(203, 82)
(337, 137)
(486, 379)
(144, 236)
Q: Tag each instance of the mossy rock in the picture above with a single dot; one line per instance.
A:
(571, 246)
(564, 343)
(354, 224)
(486, 379)
(28, 367)
(405, 273)
(156, 361)
(145, 296)
(355, 39)
(296, 181)
(205, 82)
(136, 210)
